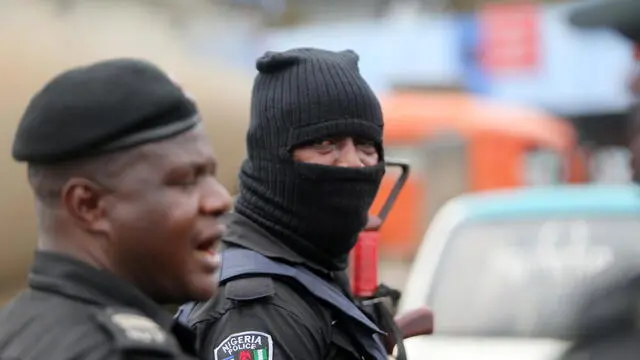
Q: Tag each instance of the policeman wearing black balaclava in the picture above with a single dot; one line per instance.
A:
(315, 210)
(299, 218)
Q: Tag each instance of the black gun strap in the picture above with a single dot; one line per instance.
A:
(389, 325)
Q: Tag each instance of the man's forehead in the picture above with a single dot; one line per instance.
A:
(191, 146)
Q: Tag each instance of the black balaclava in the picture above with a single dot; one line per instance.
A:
(303, 95)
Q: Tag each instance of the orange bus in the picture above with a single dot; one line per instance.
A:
(459, 143)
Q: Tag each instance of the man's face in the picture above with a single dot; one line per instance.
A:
(338, 151)
(164, 219)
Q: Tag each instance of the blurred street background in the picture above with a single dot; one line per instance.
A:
(478, 96)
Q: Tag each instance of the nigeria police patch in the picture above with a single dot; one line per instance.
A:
(248, 345)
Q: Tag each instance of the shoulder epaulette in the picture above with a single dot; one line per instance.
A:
(132, 331)
(249, 288)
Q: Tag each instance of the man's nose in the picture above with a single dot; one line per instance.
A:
(349, 154)
(215, 199)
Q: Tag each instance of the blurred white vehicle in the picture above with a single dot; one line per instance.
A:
(504, 271)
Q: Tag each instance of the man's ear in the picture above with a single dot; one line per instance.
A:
(84, 201)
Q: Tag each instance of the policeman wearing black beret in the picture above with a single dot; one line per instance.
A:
(607, 325)
(127, 204)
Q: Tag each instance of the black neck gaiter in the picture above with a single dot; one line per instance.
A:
(317, 211)
(299, 96)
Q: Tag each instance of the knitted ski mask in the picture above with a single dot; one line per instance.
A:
(303, 95)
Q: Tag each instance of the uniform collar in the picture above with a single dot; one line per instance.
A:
(243, 232)
(61, 274)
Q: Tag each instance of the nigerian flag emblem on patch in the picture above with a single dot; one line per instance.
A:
(260, 354)
(247, 345)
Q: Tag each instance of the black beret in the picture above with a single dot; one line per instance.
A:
(620, 15)
(99, 108)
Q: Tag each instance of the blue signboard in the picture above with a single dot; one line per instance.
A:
(475, 79)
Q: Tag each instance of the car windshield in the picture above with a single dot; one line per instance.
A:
(522, 278)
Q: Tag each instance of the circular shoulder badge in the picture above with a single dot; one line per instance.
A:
(248, 345)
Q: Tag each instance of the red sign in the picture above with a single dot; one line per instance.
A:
(509, 37)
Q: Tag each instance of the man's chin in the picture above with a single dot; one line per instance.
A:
(203, 288)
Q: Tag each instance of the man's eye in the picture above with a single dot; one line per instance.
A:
(369, 149)
(183, 180)
(190, 181)
(367, 146)
(187, 181)
(324, 145)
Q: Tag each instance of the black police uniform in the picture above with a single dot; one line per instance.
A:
(288, 319)
(285, 293)
(608, 325)
(74, 311)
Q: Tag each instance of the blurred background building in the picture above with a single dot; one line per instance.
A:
(515, 51)
(518, 52)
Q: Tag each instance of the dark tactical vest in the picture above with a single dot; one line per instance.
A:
(239, 262)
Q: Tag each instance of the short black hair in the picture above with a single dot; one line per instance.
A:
(48, 180)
